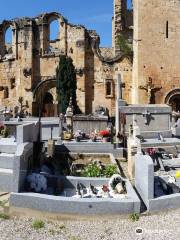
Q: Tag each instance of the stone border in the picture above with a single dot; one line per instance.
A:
(69, 205)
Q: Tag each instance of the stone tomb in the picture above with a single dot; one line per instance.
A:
(152, 119)
(145, 185)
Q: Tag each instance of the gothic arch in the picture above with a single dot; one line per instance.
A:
(3, 29)
(39, 95)
(43, 87)
(58, 44)
(173, 99)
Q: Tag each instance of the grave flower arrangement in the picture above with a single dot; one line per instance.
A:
(99, 170)
(105, 134)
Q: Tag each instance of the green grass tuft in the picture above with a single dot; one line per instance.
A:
(134, 217)
(38, 224)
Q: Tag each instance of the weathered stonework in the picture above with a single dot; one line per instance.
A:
(156, 71)
(28, 70)
(28, 66)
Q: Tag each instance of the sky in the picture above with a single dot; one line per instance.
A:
(93, 14)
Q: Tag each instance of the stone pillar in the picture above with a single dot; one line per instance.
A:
(134, 147)
(118, 93)
(120, 8)
(63, 35)
(136, 42)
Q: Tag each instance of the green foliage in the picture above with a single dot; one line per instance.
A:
(123, 45)
(93, 170)
(110, 170)
(66, 84)
(4, 216)
(38, 224)
(134, 217)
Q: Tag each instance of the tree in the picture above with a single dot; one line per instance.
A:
(66, 84)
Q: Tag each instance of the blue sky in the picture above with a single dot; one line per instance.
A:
(93, 14)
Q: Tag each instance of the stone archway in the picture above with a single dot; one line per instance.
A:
(44, 99)
(173, 99)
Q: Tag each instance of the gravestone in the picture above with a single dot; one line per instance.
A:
(144, 177)
(133, 148)
(151, 119)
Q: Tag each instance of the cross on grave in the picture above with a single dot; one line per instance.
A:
(120, 85)
(151, 89)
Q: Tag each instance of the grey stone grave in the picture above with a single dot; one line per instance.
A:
(78, 206)
(145, 180)
(152, 119)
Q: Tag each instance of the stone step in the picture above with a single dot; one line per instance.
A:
(6, 160)
(6, 180)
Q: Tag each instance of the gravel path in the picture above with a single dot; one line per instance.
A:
(163, 226)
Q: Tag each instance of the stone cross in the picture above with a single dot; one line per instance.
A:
(151, 89)
(120, 85)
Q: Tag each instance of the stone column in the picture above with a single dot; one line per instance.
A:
(118, 95)
(134, 147)
(120, 8)
(136, 43)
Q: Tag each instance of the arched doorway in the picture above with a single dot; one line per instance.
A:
(48, 105)
(173, 99)
(45, 99)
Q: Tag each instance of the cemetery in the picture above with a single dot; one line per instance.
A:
(45, 170)
(90, 134)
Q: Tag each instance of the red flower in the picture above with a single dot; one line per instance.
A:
(104, 133)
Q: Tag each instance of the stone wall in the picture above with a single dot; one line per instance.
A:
(156, 48)
(27, 72)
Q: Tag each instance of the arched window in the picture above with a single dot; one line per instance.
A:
(108, 88)
(8, 40)
(54, 31)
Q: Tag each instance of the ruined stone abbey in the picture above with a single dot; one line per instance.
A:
(28, 64)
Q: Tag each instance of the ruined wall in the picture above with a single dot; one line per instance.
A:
(119, 21)
(108, 73)
(29, 71)
(156, 48)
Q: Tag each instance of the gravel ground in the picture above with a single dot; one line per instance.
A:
(157, 226)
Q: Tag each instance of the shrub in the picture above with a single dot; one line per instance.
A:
(38, 224)
(110, 170)
(134, 217)
(92, 170)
